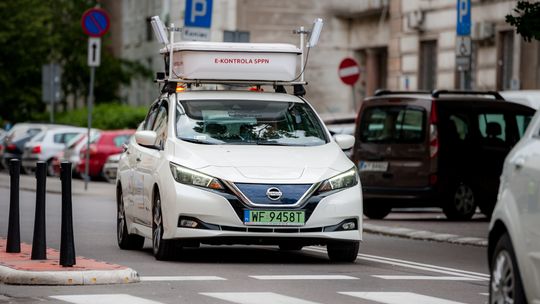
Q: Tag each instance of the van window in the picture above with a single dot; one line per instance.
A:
(522, 123)
(393, 124)
(492, 126)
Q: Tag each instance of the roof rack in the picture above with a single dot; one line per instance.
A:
(437, 93)
(382, 92)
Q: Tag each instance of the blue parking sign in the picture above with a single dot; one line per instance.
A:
(463, 25)
(198, 13)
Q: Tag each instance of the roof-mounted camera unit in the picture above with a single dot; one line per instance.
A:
(315, 32)
(159, 30)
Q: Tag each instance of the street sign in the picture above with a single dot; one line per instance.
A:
(94, 52)
(463, 46)
(463, 25)
(198, 20)
(463, 63)
(349, 71)
(95, 22)
(51, 79)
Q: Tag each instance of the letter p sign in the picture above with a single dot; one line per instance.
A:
(463, 25)
(198, 13)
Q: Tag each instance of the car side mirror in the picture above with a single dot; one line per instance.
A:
(344, 141)
(146, 138)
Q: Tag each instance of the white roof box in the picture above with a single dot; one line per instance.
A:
(233, 61)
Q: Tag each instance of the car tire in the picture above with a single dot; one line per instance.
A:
(505, 285)
(343, 251)
(376, 211)
(125, 240)
(50, 168)
(163, 250)
(290, 247)
(460, 203)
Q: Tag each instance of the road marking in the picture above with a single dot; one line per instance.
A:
(104, 299)
(256, 298)
(181, 278)
(430, 278)
(398, 298)
(303, 277)
(414, 265)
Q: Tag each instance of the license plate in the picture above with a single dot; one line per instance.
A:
(372, 166)
(274, 217)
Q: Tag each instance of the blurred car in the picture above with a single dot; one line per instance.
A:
(435, 149)
(2, 136)
(18, 136)
(46, 145)
(340, 123)
(530, 98)
(111, 167)
(72, 152)
(514, 235)
(102, 146)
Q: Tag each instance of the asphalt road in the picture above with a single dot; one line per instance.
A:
(388, 270)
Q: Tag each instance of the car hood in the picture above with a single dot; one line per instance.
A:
(259, 164)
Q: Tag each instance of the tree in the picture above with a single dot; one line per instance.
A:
(527, 22)
(36, 32)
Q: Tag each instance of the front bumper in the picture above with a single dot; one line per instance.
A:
(222, 214)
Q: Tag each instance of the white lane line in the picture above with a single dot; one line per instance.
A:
(181, 278)
(104, 299)
(256, 298)
(430, 278)
(303, 277)
(414, 265)
(398, 298)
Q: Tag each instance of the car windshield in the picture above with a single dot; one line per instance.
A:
(248, 122)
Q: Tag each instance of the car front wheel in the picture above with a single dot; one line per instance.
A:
(505, 283)
(343, 251)
(163, 249)
(375, 210)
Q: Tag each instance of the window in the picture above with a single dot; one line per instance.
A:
(119, 140)
(492, 127)
(506, 58)
(249, 122)
(160, 127)
(151, 117)
(427, 79)
(393, 124)
(235, 36)
(462, 126)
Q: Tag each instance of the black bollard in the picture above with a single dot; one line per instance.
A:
(14, 230)
(67, 244)
(39, 243)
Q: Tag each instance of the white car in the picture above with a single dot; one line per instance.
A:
(530, 98)
(514, 237)
(238, 167)
(45, 146)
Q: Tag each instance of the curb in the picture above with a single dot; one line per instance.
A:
(425, 235)
(88, 277)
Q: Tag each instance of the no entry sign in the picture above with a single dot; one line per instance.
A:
(95, 22)
(348, 71)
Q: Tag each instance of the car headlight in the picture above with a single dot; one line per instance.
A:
(190, 177)
(343, 180)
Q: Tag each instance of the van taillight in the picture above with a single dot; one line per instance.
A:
(11, 147)
(433, 133)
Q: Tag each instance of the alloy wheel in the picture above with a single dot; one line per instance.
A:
(464, 199)
(157, 231)
(120, 218)
(503, 279)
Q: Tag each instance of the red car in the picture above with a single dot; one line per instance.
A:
(104, 145)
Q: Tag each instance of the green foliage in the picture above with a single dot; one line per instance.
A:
(527, 23)
(105, 116)
(36, 32)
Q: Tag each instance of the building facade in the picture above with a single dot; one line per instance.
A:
(398, 44)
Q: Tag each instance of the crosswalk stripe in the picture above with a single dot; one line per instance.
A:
(430, 278)
(303, 277)
(180, 278)
(398, 298)
(104, 299)
(256, 298)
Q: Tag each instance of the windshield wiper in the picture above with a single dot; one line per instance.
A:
(197, 141)
(271, 143)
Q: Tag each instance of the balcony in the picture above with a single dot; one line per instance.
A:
(355, 8)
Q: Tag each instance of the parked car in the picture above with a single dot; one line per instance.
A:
(111, 167)
(2, 136)
(444, 149)
(72, 152)
(105, 144)
(46, 145)
(530, 98)
(514, 238)
(18, 136)
(340, 124)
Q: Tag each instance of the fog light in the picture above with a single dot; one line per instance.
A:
(348, 226)
(188, 223)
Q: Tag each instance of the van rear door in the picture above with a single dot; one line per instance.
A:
(393, 145)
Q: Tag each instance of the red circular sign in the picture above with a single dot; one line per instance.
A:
(349, 71)
(95, 22)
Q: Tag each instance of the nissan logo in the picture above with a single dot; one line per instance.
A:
(273, 193)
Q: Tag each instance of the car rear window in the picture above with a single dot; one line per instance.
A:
(393, 124)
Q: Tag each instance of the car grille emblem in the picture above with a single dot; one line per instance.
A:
(274, 193)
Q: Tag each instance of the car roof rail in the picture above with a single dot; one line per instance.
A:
(438, 93)
(382, 92)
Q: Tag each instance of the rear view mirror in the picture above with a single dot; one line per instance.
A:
(344, 141)
(146, 138)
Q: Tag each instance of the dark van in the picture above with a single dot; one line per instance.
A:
(435, 149)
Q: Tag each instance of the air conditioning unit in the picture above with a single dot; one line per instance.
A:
(415, 20)
(483, 30)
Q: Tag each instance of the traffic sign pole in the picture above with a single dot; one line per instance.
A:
(90, 108)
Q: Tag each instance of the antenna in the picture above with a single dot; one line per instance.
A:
(315, 32)
(159, 30)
